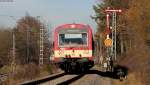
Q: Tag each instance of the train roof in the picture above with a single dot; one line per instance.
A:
(78, 26)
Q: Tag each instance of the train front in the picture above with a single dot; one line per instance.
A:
(73, 47)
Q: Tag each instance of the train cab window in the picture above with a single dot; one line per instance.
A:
(79, 39)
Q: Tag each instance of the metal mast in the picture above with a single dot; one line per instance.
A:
(114, 34)
(28, 36)
(13, 52)
(41, 45)
(114, 30)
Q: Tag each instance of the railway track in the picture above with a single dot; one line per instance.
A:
(43, 79)
(56, 79)
(72, 79)
(91, 77)
(65, 80)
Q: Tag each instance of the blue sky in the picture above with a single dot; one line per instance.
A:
(54, 12)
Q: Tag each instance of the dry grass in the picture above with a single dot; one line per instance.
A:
(137, 61)
(130, 80)
(29, 71)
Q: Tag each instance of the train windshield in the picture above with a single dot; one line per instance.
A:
(72, 40)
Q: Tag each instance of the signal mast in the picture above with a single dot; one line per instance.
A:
(111, 42)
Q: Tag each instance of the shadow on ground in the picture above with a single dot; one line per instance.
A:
(119, 71)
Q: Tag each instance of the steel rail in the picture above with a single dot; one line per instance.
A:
(42, 80)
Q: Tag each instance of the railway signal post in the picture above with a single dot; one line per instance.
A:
(114, 31)
(111, 42)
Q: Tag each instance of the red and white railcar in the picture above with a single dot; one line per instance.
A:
(73, 47)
